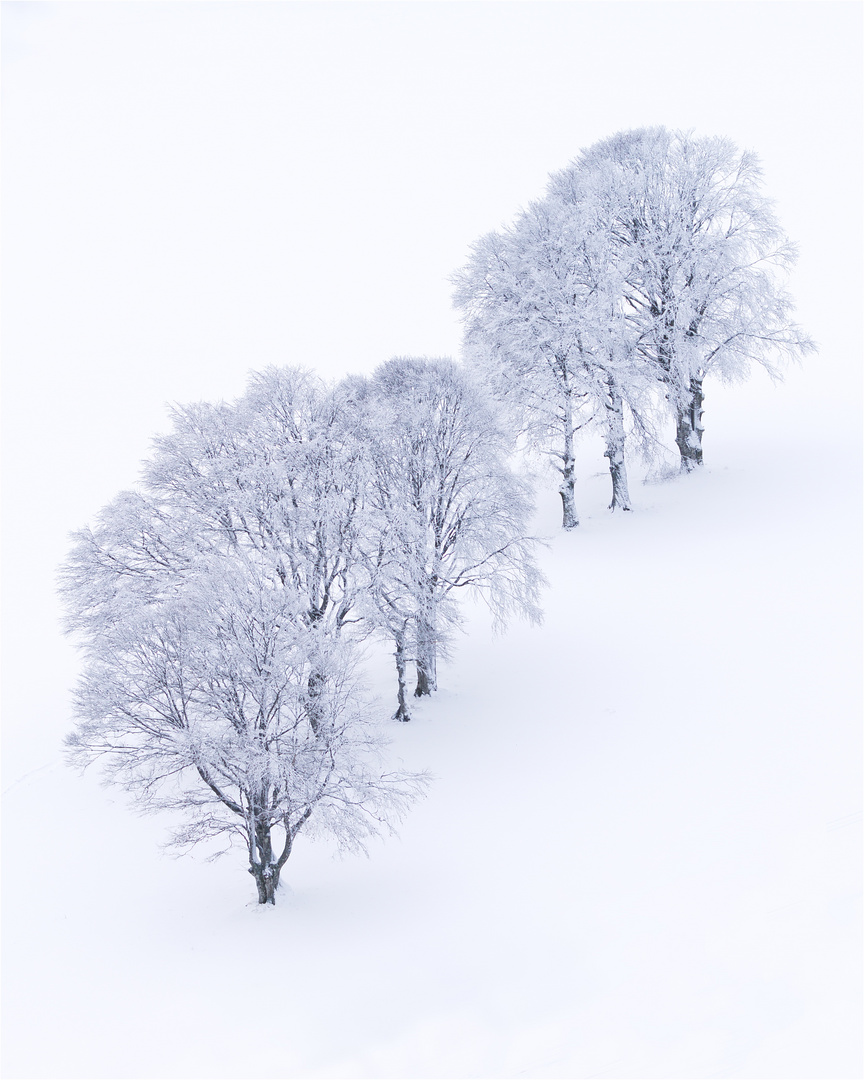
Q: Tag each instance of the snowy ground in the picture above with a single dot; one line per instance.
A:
(641, 857)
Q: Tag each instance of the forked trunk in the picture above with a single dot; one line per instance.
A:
(402, 711)
(615, 448)
(688, 435)
(263, 866)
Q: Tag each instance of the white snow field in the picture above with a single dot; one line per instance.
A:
(641, 857)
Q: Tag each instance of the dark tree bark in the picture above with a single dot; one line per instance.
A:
(615, 448)
(261, 863)
(314, 707)
(427, 674)
(570, 519)
(401, 713)
(264, 867)
(266, 881)
(688, 434)
(427, 645)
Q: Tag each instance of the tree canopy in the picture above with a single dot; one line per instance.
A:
(654, 260)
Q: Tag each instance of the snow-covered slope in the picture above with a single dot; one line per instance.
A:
(641, 857)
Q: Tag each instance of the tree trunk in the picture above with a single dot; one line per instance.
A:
(266, 881)
(568, 481)
(427, 644)
(262, 865)
(314, 706)
(689, 427)
(427, 668)
(615, 448)
(402, 712)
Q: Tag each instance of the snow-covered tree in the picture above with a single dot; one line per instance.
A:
(448, 513)
(702, 259)
(274, 472)
(654, 257)
(210, 607)
(544, 323)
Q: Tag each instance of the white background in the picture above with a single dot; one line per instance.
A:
(191, 191)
